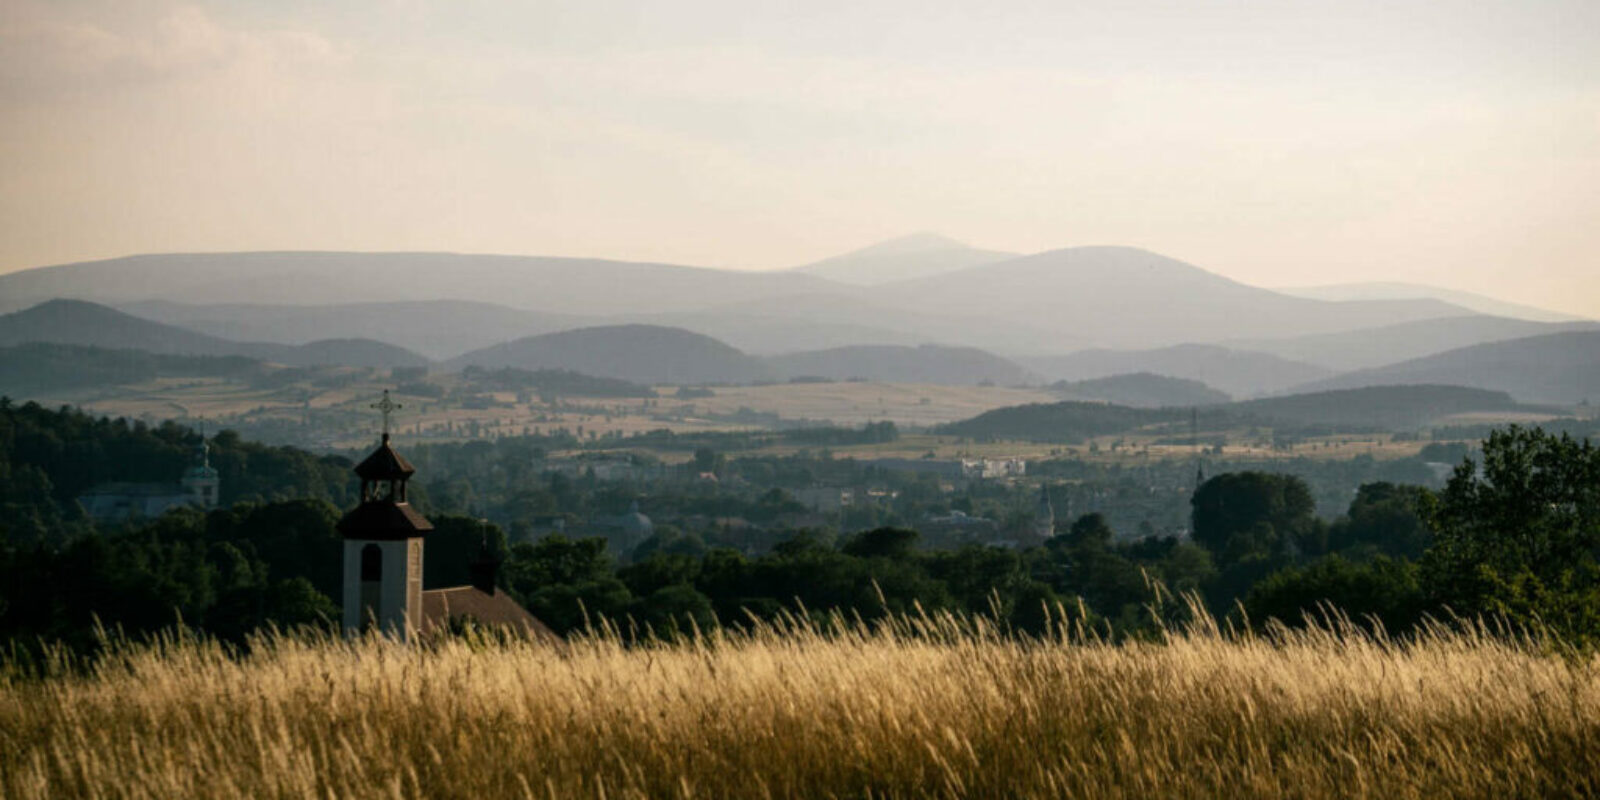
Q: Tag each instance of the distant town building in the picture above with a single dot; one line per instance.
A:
(198, 487)
(994, 467)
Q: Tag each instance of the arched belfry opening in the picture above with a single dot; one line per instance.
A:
(371, 585)
(371, 564)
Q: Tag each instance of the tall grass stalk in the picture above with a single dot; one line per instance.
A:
(918, 706)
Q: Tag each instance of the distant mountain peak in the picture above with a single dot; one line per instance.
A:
(916, 255)
(919, 242)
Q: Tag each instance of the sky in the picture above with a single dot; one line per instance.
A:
(1280, 143)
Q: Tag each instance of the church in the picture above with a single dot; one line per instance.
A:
(114, 502)
(383, 551)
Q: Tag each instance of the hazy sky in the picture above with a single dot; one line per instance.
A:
(1276, 142)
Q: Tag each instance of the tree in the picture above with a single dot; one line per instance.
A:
(1384, 517)
(1384, 588)
(1241, 516)
(1518, 533)
(881, 543)
(1090, 531)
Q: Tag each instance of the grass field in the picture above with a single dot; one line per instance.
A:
(929, 708)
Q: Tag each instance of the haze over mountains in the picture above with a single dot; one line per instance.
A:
(1059, 300)
(1075, 314)
(76, 322)
(1390, 290)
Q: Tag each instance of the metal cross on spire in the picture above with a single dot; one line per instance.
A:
(386, 407)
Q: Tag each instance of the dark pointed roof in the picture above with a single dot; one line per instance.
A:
(384, 517)
(385, 464)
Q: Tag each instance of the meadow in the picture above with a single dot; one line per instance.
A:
(919, 707)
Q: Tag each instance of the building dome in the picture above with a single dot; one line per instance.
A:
(635, 523)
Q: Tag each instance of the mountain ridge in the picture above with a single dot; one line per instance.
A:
(1558, 368)
(1399, 290)
(1050, 302)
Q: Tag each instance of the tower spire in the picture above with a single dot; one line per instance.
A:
(386, 407)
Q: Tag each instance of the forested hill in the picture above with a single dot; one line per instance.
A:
(1067, 422)
(639, 353)
(1371, 408)
(1142, 390)
(48, 458)
(1383, 407)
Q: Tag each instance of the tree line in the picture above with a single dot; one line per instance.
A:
(1514, 533)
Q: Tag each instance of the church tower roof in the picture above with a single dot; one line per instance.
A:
(384, 512)
(385, 464)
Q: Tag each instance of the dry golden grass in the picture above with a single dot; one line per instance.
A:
(920, 708)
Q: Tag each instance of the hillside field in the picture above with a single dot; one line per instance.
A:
(915, 708)
(227, 402)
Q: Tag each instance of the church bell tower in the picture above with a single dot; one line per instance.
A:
(201, 480)
(383, 545)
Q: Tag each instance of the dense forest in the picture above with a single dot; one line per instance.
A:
(1513, 532)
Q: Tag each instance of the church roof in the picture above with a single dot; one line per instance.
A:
(381, 519)
(440, 606)
(385, 464)
(131, 489)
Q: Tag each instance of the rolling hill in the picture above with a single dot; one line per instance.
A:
(1381, 407)
(90, 324)
(76, 322)
(1068, 422)
(1372, 408)
(1130, 298)
(1142, 390)
(1388, 344)
(639, 353)
(438, 329)
(1240, 373)
(893, 364)
(1559, 368)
